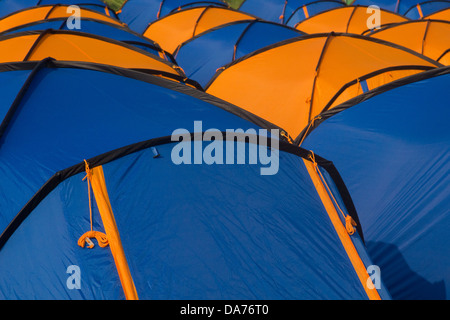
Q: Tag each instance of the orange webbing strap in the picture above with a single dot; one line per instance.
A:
(159, 11)
(419, 9)
(305, 12)
(96, 179)
(282, 13)
(102, 239)
(343, 232)
(311, 123)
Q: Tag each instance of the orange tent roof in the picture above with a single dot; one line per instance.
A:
(351, 19)
(428, 37)
(292, 82)
(174, 29)
(79, 46)
(38, 13)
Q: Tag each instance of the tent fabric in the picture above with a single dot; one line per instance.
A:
(9, 6)
(202, 55)
(176, 28)
(428, 37)
(398, 6)
(263, 81)
(133, 14)
(79, 46)
(48, 137)
(440, 15)
(392, 149)
(351, 19)
(283, 11)
(39, 13)
(426, 8)
(311, 9)
(97, 27)
(198, 237)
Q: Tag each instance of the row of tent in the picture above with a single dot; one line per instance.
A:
(86, 150)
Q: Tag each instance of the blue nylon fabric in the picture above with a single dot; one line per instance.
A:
(313, 9)
(392, 151)
(36, 258)
(225, 231)
(68, 115)
(427, 8)
(10, 84)
(173, 5)
(356, 238)
(398, 6)
(138, 14)
(262, 34)
(203, 55)
(272, 10)
(10, 6)
(92, 27)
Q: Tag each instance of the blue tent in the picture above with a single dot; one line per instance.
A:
(165, 230)
(287, 11)
(86, 110)
(137, 14)
(426, 8)
(100, 28)
(398, 6)
(392, 148)
(201, 56)
(10, 6)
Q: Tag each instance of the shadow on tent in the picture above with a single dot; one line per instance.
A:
(394, 272)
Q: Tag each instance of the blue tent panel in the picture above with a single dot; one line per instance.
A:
(169, 6)
(270, 10)
(138, 14)
(393, 154)
(282, 11)
(398, 6)
(188, 232)
(201, 56)
(426, 8)
(112, 112)
(312, 9)
(47, 242)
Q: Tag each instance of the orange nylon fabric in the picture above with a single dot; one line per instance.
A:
(341, 230)
(40, 13)
(112, 233)
(351, 19)
(281, 85)
(174, 29)
(428, 37)
(68, 46)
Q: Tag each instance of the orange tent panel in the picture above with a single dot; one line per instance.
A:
(77, 46)
(175, 28)
(351, 19)
(47, 12)
(428, 37)
(292, 82)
